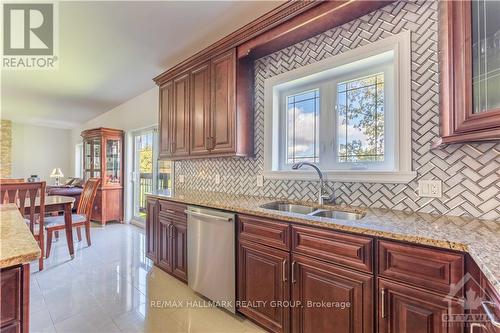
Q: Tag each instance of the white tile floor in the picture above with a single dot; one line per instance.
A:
(108, 288)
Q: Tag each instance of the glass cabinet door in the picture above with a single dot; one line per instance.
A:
(87, 159)
(113, 161)
(485, 55)
(96, 158)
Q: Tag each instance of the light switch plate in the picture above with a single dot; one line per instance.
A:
(430, 188)
(260, 180)
(181, 178)
(217, 178)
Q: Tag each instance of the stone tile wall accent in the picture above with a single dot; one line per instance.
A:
(470, 172)
(5, 148)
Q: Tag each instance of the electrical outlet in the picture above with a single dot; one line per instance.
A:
(217, 178)
(260, 180)
(181, 178)
(430, 188)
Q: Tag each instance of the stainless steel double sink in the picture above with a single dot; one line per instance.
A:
(283, 206)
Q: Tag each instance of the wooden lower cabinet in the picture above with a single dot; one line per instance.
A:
(179, 250)
(331, 298)
(166, 236)
(164, 242)
(151, 229)
(264, 285)
(406, 309)
(14, 300)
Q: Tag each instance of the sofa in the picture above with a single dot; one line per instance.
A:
(73, 187)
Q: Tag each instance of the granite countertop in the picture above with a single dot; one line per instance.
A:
(17, 244)
(479, 238)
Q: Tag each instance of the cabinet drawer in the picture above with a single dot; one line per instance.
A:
(340, 248)
(434, 269)
(173, 209)
(10, 310)
(264, 231)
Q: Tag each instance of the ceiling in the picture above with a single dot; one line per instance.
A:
(110, 51)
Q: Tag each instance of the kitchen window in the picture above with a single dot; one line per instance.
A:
(349, 114)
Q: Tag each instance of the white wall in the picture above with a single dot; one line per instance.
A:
(137, 113)
(36, 150)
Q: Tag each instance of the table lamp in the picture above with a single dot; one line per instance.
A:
(57, 173)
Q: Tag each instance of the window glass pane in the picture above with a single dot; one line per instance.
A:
(302, 124)
(485, 55)
(360, 119)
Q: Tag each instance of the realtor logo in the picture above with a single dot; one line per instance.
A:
(29, 32)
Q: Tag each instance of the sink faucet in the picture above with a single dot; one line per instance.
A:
(323, 198)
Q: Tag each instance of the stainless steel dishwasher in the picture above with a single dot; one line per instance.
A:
(211, 254)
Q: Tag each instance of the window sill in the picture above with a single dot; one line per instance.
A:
(357, 176)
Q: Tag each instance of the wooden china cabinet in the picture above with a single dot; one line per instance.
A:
(469, 71)
(103, 158)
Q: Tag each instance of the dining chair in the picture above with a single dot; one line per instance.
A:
(80, 219)
(24, 195)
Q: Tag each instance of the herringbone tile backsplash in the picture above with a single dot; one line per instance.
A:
(470, 172)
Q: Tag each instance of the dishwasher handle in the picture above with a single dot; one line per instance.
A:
(213, 217)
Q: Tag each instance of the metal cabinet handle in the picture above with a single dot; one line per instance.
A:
(171, 230)
(491, 316)
(226, 219)
(382, 302)
(172, 147)
(207, 143)
(293, 272)
(283, 270)
(475, 325)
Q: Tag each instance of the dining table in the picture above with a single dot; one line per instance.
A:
(56, 204)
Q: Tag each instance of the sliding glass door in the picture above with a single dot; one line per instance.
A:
(149, 174)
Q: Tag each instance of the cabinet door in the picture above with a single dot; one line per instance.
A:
(166, 105)
(403, 309)
(223, 119)
(180, 117)
(179, 253)
(165, 243)
(200, 110)
(151, 229)
(262, 283)
(332, 299)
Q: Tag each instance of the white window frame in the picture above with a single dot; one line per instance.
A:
(325, 75)
(79, 160)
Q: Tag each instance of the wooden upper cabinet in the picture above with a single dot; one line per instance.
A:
(223, 100)
(200, 110)
(469, 66)
(180, 117)
(164, 120)
(198, 113)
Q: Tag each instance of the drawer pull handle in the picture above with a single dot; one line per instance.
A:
(293, 272)
(213, 217)
(491, 316)
(382, 302)
(283, 270)
(170, 211)
(171, 228)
